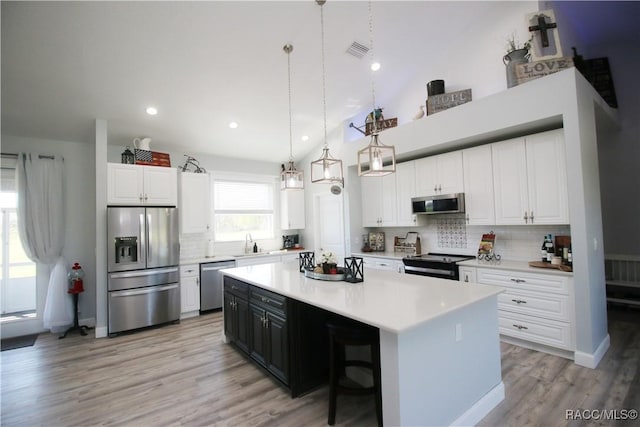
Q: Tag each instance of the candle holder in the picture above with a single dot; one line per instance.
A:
(306, 261)
(354, 269)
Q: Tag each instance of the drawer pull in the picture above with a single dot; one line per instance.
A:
(518, 280)
(520, 327)
(264, 299)
(519, 301)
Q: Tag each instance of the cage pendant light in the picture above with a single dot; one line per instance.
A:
(327, 169)
(290, 177)
(376, 159)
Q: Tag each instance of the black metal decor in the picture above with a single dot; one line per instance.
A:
(353, 269)
(306, 261)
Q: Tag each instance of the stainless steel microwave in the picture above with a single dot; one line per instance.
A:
(440, 204)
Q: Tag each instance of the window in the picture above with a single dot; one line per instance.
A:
(243, 207)
(18, 272)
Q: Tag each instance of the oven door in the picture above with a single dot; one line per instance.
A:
(431, 269)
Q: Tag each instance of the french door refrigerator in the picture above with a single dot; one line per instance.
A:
(143, 257)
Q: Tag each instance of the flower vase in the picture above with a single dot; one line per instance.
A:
(511, 61)
(328, 266)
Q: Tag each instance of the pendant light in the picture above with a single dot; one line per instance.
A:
(290, 177)
(376, 159)
(327, 169)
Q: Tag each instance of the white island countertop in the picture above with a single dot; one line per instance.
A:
(388, 300)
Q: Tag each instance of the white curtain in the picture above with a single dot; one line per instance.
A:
(40, 183)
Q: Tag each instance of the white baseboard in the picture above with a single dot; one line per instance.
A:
(482, 407)
(591, 360)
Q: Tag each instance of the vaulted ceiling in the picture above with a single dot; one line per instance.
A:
(205, 64)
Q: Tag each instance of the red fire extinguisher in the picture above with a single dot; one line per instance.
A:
(75, 279)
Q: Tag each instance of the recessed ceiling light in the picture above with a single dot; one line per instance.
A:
(233, 125)
(152, 111)
(375, 66)
(305, 137)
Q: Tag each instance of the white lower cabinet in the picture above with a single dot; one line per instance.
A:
(387, 264)
(535, 307)
(189, 290)
(256, 260)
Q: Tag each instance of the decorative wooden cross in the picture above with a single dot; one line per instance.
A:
(543, 26)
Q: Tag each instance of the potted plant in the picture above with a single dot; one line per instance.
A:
(517, 53)
(328, 262)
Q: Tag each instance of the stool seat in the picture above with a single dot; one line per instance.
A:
(351, 333)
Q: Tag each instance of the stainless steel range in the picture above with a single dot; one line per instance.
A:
(444, 266)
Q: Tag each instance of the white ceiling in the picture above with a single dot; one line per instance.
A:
(204, 64)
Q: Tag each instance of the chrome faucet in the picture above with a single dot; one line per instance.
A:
(248, 243)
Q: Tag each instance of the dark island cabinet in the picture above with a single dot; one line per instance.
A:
(236, 313)
(284, 337)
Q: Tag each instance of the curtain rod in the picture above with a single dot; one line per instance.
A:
(15, 155)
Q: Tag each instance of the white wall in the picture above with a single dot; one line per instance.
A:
(79, 204)
(619, 151)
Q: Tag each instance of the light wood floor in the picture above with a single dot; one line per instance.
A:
(184, 375)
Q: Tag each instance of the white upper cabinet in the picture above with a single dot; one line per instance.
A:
(195, 202)
(405, 190)
(478, 185)
(547, 178)
(378, 201)
(441, 174)
(530, 180)
(141, 185)
(292, 210)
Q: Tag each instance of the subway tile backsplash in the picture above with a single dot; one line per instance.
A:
(515, 243)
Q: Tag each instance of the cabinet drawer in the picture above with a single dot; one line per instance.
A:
(273, 302)
(549, 306)
(548, 332)
(189, 270)
(524, 280)
(236, 287)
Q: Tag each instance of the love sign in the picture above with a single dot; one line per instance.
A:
(533, 70)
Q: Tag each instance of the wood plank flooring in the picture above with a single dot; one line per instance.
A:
(184, 375)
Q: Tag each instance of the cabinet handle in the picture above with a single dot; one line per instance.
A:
(531, 217)
(519, 301)
(435, 188)
(466, 277)
(382, 264)
(467, 218)
(526, 217)
(140, 197)
(518, 280)
(146, 197)
(520, 327)
(264, 299)
(197, 281)
(440, 188)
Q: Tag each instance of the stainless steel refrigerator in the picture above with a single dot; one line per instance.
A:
(143, 257)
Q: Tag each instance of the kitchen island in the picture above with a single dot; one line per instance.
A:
(439, 342)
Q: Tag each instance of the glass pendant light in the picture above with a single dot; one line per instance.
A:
(327, 169)
(290, 177)
(376, 159)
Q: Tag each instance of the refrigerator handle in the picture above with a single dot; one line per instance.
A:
(142, 246)
(149, 230)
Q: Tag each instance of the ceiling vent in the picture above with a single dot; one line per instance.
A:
(358, 50)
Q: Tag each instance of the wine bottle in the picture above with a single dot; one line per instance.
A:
(550, 249)
(543, 249)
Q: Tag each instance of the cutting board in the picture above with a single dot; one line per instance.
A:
(540, 264)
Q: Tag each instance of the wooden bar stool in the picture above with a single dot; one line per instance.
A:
(343, 334)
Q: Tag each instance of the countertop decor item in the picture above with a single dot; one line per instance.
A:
(327, 277)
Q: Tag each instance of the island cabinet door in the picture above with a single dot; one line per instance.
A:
(242, 310)
(230, 321)
(277, 347)
(258, 334)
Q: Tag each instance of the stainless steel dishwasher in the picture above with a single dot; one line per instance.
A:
(211, 284)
